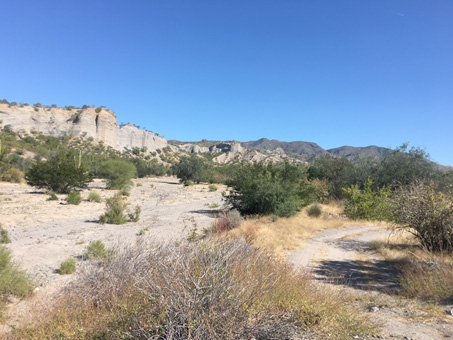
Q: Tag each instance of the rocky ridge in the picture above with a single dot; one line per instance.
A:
(100, 124)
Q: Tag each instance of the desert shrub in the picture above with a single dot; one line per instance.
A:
(135, 216)
(426, 213)
(115, 210)
(4, 235)
(335, 170)
(188, 183)
(74, 197)
(98, 109)
(11, 174)
(227, 220)
(368, 204)
(139, 184)
(314, 210)
(212, 188)
(67, 267)
(402, 166)
(200, 290)
(96, 250)
(52, 197)
(13, 281)
(267, 189)
(429, 280)
(62, 173)
(94, 197)
(191, 168)
(125, 191)
(117, 172)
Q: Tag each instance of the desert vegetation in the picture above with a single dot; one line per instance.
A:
(213, 289)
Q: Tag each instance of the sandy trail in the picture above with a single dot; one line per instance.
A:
(342, 258)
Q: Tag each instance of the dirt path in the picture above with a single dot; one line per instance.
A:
(342, 258)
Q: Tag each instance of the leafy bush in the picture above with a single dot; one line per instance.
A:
(191, 168)
(4, 235)
(96, 250)
(61, 173)
(267, 189)
(426, 213)
(188, 183)
(74, 197)
(116, 211)
(94, 197)
(13, 281)
(67, 267)
(98, 109)
(212, 188)
(368, 204)
(117, 172)
(314, 211)
(11, 174)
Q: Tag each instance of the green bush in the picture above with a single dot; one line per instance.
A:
(191, 168)
(94, 197)
(67, 267)
(368, 204)
(267, 189)
(212, 188)
(426, 213)
(96, 250)
(74, 197)
(61, 173)
(115, 210)
(117, 172)
(314, 211)
(4, 235)
(13, 281)
(98, 109)
(188, 183)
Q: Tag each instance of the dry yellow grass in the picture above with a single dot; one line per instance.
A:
(287, 234)
(423, 274)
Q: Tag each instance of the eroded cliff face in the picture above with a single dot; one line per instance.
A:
(102, 126)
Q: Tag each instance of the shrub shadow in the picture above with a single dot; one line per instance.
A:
(365, 275)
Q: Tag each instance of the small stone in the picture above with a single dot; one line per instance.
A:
(373, 309)
(448, 312)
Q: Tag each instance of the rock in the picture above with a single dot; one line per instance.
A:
(448, 312)
(373, 309)
(102, 126)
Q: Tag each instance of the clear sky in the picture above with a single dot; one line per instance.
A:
(349, 72)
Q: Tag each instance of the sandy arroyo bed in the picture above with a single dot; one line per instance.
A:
(45, 233)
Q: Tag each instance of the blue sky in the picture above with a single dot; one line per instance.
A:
(349, 72)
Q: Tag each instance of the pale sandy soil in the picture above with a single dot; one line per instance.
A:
(45, 233)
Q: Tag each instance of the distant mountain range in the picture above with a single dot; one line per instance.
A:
(309, 150)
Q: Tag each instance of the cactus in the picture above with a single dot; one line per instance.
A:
(78, 160)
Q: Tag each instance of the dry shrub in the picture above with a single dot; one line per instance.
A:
(426, 213)
(227, 220)
(422, 274)
(212, 289)
(428, 280)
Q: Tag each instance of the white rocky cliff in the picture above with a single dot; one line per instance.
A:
(102, 126)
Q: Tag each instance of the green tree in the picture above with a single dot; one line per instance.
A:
(267, 189)
(191, 168)
(63, 172)
(117, 172)
(335, 170)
